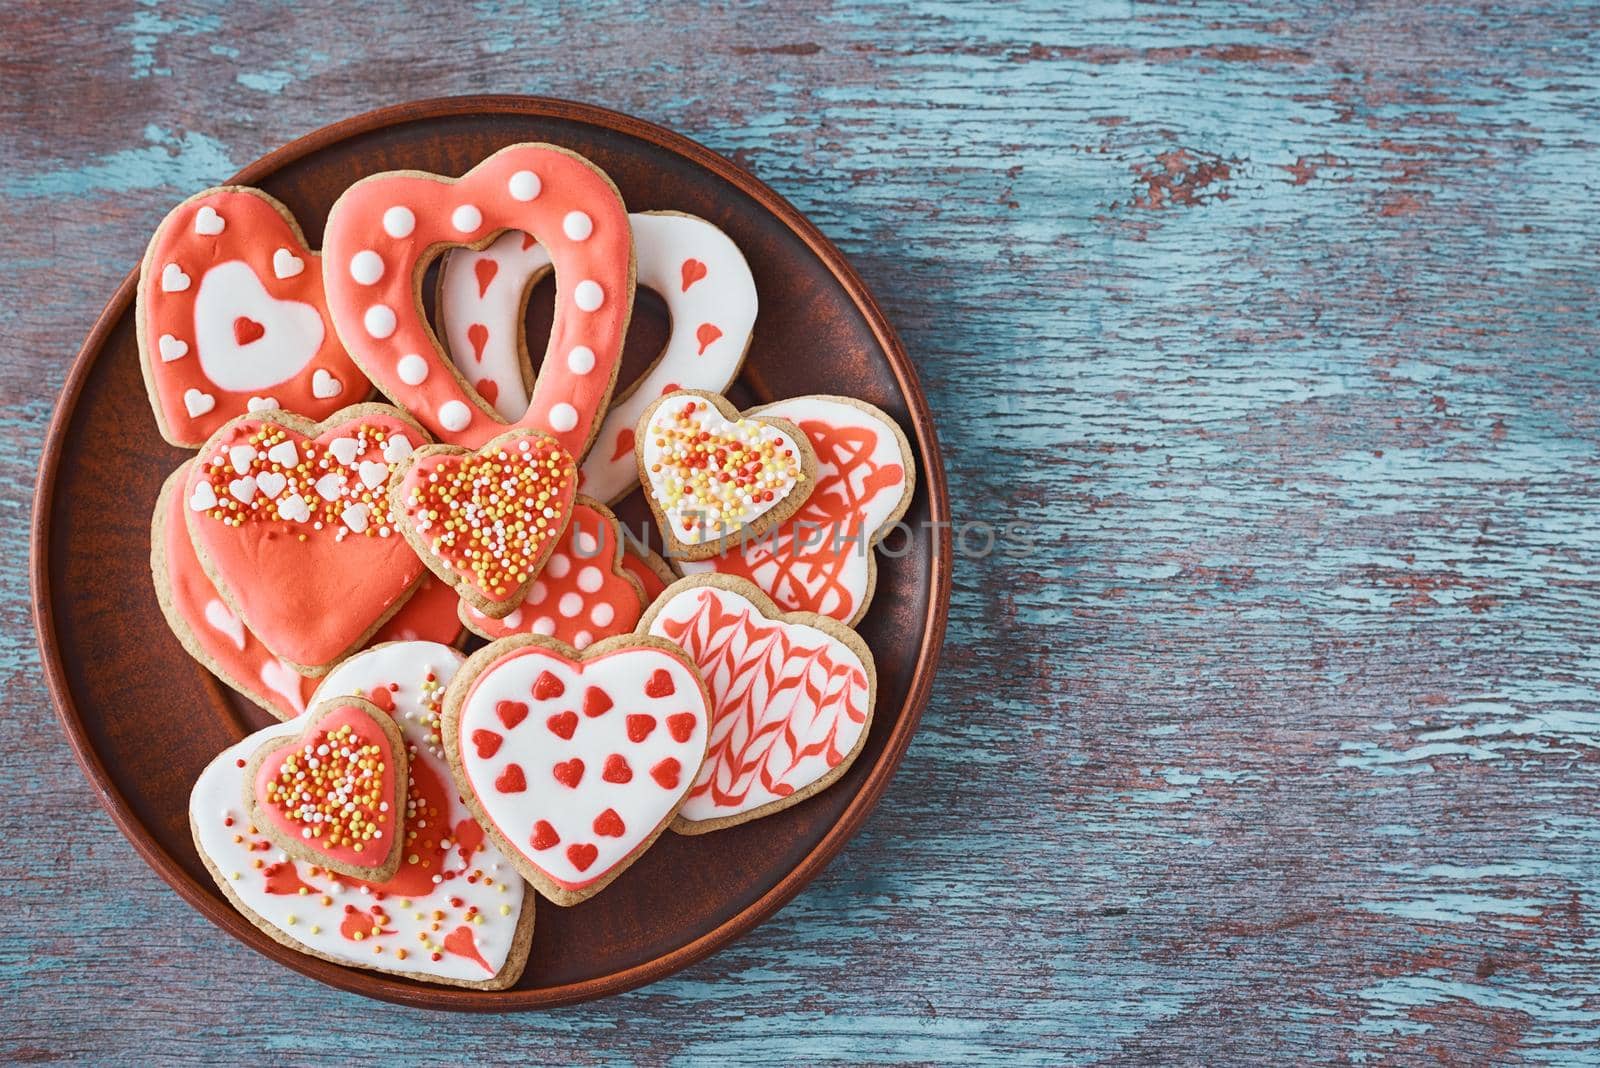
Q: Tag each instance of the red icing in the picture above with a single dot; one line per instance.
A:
(511, 780)
(359, 925)
(596, 702)
(693, 270)
(485, 270)
(308, 591)
(284, 878)
(566, 183)
(569, 772)
(382, 697)
(488, 389)
(625, 442)
(547, 686)
(667, 773)
(617, 770)
(681, 725)
(544, 835)
(253, 231)
(636, 565)
(478, 337)
(427, 809)
(582, 855)
(706, 335)
(487, 742)
(429, 615)
(563, 724)
(640, 725)
(660, 684)
(609, 825)
(511, 713)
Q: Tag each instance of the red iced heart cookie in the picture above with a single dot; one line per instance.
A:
(715, 478)
(583, 594)
(486, 521)
(820, 559)
(792, 697)
(598, 790)
(231, 318)
(289, 519)
(384, 229)
(335, 794)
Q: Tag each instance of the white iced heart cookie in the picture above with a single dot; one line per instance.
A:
(466, 918)
(575, 762)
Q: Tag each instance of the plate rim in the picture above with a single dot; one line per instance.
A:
(419, 993)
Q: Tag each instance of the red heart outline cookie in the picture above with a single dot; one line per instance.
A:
(334, 795)
(793, 696)
(383, 231)
(821, 559)
(230, 318)
(584, 594)
(549, 748)
(715, 478)
(290, 521)
(486, 520)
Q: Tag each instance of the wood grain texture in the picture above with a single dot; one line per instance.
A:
(1273, 730)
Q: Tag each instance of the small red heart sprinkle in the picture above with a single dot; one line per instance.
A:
(562, 724)
(582, 855)
(488, 743)
(666, 773)
(617, 769)
(569, 772)
(660, 684)
(544, 835)
(485, 269)
(547, 686)
(693, 271)
(246, 330)
(511, 713)
(706, 335)
(381, 697)
(596, 702)
(681, 726)
(478, 337)
(640, 726)
(609, 825)
(511, 781)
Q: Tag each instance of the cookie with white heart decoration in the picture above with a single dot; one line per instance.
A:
(455, 912)
(694, 267)
(715, 478)
(385, 229)
(230, 318)
(576, 762)
(792, 694)
(289, 519)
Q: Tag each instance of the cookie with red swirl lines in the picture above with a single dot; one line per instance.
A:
(792, 696)
(575, 762)
(693, 266)
(231, 318)
(289, 521)
(822, 558)
(583, 594)
(716, 478)
(384, 230)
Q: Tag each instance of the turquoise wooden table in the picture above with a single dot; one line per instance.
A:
(1271, 727)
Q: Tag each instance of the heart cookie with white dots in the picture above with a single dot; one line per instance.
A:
(384, 230)
(576, 762)
(229, 318)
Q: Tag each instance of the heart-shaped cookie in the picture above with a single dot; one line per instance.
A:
(227, 312)
(290, 520)
(334, 794)
(383, 231)
(453, 913)
(485, 521)
(584, 593)
(694, 267)
(575, 762)
(821, 558)
(716, 479)
(792, 696)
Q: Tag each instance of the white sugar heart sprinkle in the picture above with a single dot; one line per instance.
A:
(286, 264)
(355, 517)
(397, 448)
(373, 474)
(344, 450)
(173, 280)
(294, 508)
(241, 457)
(261, 404)
(197, 403)
(223, 621)
(284, 454)
(208, 222)
(330, 487)
(242, 489)
(271, 482)
(324, 385)
(172, 348)
(203, 499)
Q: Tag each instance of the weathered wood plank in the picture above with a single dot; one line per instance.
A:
(1276, 333)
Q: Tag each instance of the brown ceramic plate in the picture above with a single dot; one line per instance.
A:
(144, 718)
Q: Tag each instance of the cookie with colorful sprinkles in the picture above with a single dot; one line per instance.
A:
(715, 478)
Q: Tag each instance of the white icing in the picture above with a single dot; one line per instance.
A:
(286, 264)
(563, 417)
(379, 321)
(466, 218)
(454, 415)
(524, 185)
(261, 404)
(285, 453)
(412, 369)
(588, 295)
(399, 221)
(366, 267)
(173, 280)
(208, 222)
(580, 361)
(292, 331)
(172, 348)
(324, 385)
(197, 403)
(224, 622)
(577, 225)
(218, 795)
(662, 479)
(641, 803)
